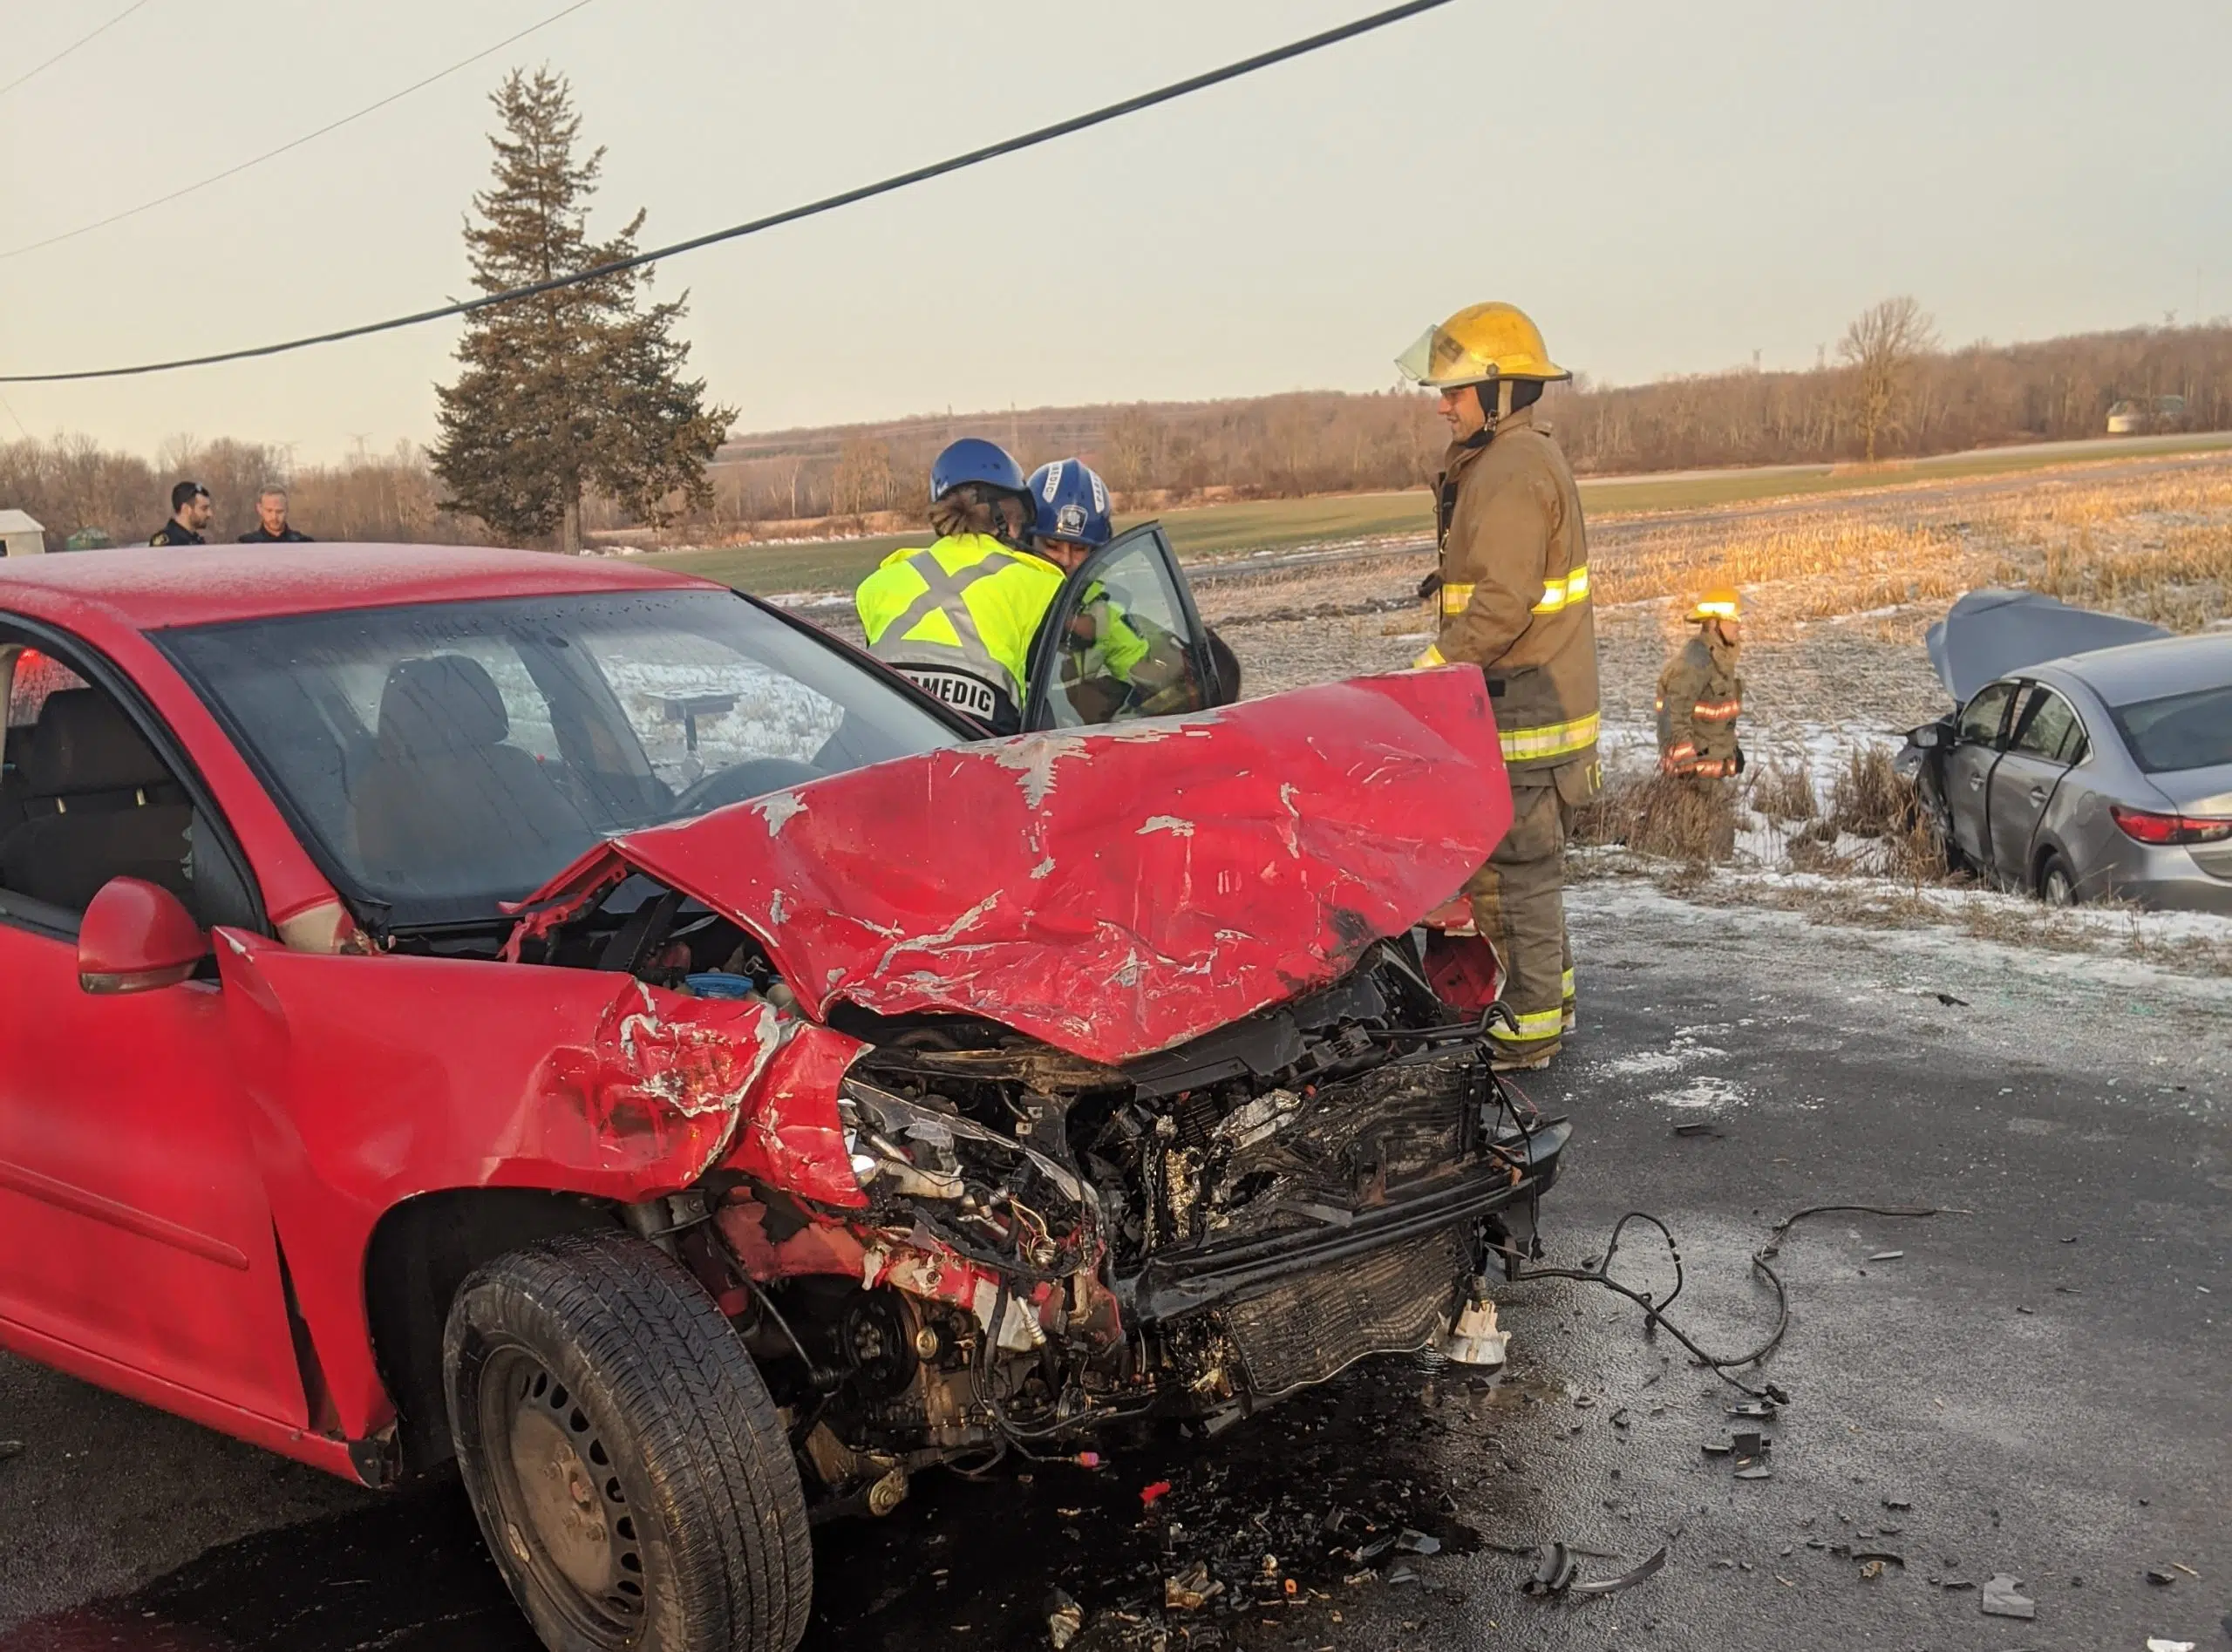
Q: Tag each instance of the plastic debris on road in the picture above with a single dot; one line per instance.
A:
(2003, 1598)
(1065, 1618)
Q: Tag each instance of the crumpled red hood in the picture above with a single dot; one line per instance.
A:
(1113, 891)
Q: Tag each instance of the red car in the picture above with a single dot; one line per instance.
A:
(575, 1019)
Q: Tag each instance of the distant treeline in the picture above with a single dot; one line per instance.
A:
(1980, 396)
(1272, 446)
(1325, 441)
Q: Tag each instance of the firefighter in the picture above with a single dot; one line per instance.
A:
(958, 616)
(1513, 590)
(1700, 695)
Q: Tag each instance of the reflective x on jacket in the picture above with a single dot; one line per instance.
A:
(967, 603)
(1699, 698)
(1514, 592)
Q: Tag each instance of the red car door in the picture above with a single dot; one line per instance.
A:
(136, 1246)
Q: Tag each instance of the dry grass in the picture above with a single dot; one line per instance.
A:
(1784, 791)
(1873, 904)
(2154, 541)
(1662, 816)
(1865, 797)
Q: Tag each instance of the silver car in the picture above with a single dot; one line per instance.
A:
(2096, 774)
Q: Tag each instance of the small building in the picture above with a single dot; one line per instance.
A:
(20, 535)
(90, 539)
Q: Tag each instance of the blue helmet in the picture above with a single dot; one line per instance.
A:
(974, 459)
(1071, 502)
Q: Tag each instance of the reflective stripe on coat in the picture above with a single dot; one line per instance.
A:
(1514, 591)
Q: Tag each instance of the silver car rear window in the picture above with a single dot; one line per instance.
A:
(2190, 731)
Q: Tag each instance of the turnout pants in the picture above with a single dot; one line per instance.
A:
(1518, 900)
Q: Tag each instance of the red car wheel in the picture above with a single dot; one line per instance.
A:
(630, 1474)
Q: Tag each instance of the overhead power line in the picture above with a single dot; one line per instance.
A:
(295, 143)
(789, 215)
(41, 68)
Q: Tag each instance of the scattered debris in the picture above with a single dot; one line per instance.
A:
(1417, 1543)
(2162, 1579)
(1756, 1472)
(1557, 1572)
(1754, 1407)
(1880, 1558)
(10, 1448)
(1401, 1572)
(1191, 1590)
(1951, 1001)
(1618, 1418)
(1886, 1256)
(1897, 1503)
(1750, 1443)
(1149, 1495)
(1697, 1127)
(1065, 1618)
(1649, 1568)
(2003, 1598)
(1872, 1570)
(1554, 1571)
(2156, 1643)
(1717, 1448)
(2188, 1570)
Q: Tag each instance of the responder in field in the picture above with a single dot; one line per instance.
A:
(1513, 590)
(1700, 695)
(958, 616)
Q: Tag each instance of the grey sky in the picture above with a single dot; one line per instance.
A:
(1666, 188)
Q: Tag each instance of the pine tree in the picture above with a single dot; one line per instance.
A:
(572, 390)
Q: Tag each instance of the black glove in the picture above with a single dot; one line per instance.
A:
(1430, 587)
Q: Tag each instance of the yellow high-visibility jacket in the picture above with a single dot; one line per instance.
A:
(958, 618)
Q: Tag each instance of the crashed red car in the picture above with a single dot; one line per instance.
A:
(575, 1019)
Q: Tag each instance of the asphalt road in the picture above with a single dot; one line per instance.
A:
(2036, 1385)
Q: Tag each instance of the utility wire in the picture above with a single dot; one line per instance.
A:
(295, 143)
(83, 39)
(829, 203)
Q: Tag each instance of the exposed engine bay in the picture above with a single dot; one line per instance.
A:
(1023, 1247)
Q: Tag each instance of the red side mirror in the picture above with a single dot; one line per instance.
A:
(137, 936)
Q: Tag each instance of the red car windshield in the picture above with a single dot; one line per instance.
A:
(442, 757)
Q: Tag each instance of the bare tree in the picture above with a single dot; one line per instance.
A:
(1882, 347)
(864, 481)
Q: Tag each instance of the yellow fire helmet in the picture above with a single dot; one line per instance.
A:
(1479, 344)
(1721, 602)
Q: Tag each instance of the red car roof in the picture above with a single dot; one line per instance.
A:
(149, 588)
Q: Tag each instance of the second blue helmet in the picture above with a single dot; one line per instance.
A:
(974, 459)
(1071, 502)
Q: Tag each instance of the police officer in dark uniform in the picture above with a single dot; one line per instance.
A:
(190, 512)
(271, 525)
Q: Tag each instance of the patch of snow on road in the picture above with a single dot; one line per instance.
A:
(1704, 1090)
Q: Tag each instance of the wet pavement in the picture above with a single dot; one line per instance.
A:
(2034, 1386)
